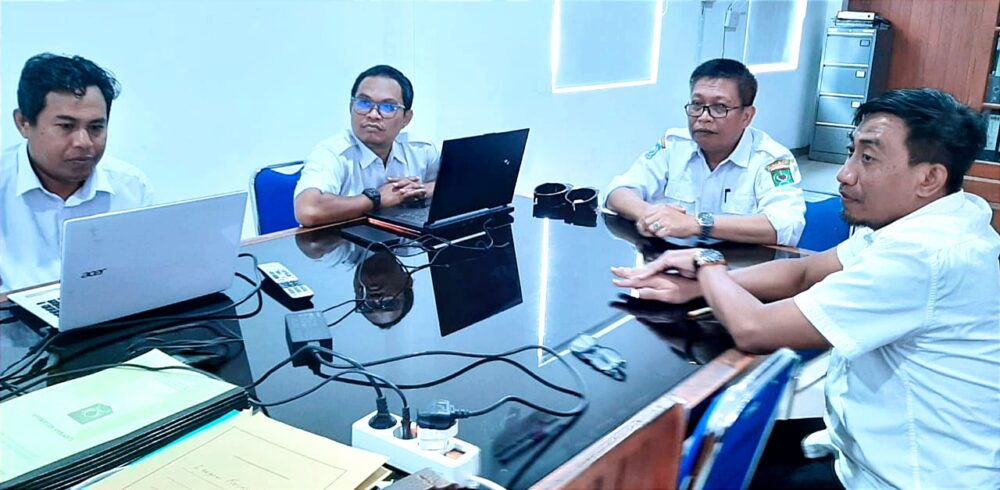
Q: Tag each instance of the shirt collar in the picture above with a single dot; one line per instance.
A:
(948, 205)
(740, 155)
(27, 180)
(944, 205)
(368, 157)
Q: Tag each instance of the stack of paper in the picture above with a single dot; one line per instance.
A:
(244, 451)
(66, 433)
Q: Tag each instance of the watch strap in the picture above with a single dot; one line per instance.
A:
(375, 196)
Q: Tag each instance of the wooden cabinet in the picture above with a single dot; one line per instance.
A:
(948, 45)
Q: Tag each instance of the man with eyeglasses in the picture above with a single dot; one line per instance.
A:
(372, 165)
(718, 179)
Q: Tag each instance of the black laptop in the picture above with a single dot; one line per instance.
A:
(476, 180)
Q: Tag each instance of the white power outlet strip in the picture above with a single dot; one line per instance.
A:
(452, 457)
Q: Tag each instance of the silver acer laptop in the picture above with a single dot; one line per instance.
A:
(127, 262)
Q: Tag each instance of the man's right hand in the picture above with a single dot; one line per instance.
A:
(399, 190)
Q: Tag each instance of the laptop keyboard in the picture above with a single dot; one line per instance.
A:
(418, 215)
(51, 306)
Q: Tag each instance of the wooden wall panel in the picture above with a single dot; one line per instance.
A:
(944, 44)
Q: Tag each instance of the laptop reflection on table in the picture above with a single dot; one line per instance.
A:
(475, 280)
(125, 262)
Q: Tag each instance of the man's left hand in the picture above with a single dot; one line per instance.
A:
(410, 187)
(661, 287)
(681, 261)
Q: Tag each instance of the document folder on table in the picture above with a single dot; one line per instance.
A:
(66, 433)
(251, 452)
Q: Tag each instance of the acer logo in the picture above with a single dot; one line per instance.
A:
(92, 273)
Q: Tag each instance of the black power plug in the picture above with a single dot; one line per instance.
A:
(439, 415)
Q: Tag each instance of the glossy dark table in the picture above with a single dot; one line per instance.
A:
(541, 282)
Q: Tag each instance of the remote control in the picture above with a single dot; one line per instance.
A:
(287, 281)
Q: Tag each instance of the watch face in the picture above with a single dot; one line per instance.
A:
(709, 256)
(706, 219)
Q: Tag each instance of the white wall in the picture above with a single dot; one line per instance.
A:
(214, 89)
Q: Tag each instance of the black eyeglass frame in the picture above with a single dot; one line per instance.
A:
(709, 108)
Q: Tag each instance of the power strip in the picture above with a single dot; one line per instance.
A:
(450, 456)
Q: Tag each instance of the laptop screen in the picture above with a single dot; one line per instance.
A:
(477, 173)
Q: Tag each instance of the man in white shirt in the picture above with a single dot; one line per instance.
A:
(910, 305)
(718, 179)
(63, 109)
(372, 165)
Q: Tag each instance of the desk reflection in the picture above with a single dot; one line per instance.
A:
(474, 282)
(696, 340)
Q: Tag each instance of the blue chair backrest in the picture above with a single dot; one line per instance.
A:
(825, 227)
(273, 202)
(727, 443)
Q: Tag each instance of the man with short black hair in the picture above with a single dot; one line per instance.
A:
(910, 303)
(717, 179)
(372, 165)
(64, 104)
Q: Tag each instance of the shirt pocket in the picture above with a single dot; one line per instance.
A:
(681, 195)
(739, 204)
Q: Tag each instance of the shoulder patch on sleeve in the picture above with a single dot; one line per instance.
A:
(660, 144)
(781, 172)
(654, 150)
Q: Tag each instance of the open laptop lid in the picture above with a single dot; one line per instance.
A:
(477, 173)
(126, 262)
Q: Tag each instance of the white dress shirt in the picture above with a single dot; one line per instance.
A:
(344, 166)
(675, 171)
(31, 217)
(913, 385)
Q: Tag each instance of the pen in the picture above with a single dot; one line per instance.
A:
(700, 312)
(725, 195)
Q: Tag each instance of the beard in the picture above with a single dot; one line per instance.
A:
(852, 221)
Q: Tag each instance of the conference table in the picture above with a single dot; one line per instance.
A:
(523, 281)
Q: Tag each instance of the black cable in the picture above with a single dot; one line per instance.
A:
(130, 348)
(314, 350)
(336, 377)
(343, 317)
(338, 305)
(485, 359)
(256, 291)
(32, 355)
(536, 456)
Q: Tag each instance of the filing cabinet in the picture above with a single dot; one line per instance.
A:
(854, 68)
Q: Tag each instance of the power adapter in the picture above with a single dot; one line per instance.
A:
(307, 328)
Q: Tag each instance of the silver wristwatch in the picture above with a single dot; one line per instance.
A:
(707, 222)
(708, 256)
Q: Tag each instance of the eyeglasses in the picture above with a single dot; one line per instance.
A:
(387, 110)
(717, 111)
(604, 359)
